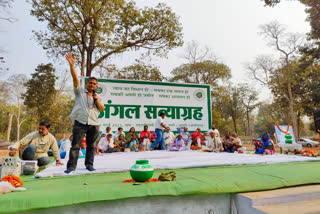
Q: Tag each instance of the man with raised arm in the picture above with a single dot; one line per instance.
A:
(85, 116)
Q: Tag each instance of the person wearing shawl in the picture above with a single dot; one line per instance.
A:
(186, 136)
(131, 131)
(178, 144)
(264, 145)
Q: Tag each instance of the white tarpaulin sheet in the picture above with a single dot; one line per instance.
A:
(122, 161)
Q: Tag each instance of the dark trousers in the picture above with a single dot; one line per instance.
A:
(231, 148)
(79, 131)
(29, 153)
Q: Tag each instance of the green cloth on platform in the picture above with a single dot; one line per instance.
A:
(70, 190)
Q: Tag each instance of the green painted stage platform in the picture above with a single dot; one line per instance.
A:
(70, 190)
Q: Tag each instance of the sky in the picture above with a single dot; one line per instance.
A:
(228, 27)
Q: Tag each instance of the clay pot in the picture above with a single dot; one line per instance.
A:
(141, 171)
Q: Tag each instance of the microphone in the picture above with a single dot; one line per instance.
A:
(93, 93)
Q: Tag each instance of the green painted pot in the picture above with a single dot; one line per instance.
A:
(289, 141)
(141, 171)
(288, 136)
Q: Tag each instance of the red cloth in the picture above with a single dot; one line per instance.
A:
(143, 133)
(196, 135)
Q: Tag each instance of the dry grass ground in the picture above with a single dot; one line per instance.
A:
(3, 153)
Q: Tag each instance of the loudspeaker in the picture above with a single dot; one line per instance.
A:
(316, 115)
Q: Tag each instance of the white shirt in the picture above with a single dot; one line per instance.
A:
(216, 131)
(84, 110)
(170, 135)
(110, 133)
(158, 123)
(116, 135)
(105, 144)
(65, 146)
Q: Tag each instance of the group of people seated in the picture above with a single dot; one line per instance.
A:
(210, 141)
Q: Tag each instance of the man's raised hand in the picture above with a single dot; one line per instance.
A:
(70, 59)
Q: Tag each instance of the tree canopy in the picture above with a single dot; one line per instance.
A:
(95, 30)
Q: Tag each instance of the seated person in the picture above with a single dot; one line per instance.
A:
(105, 144)
(119, 144)
(264, 145)
(83, 149)
(212, 144)
(116, 135)
(36, 146)
(132, 143)
(197, 138)
(145, 138)
(186, 136)
(65, 148)
(131, 131)
(153, 136)
(168, 138)
(228, 144)
(178, 144)
(238, 143)
(103, 135)
(108, 131)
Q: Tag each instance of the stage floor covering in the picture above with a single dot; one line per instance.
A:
(62, 191)
(122, 161)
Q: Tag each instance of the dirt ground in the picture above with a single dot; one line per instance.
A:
(3, 153)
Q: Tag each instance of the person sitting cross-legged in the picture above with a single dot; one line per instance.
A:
(186, 136)
(212, 143)
(264, 145)
(36, 146)
(105, 144)
(145, 138)
(197, 138)
(168, 138)
(178, 144)
(65, 148)
(228, 143)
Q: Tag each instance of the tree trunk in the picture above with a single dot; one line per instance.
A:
(298, 122)
(235, 125)
(83, 63)
(248, 124)
(10, 115)
(293, 119)
(89, 63)
(18, 122)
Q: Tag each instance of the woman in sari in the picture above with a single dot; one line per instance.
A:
(131, 131)
(264, 145)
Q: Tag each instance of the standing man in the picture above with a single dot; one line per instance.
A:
(85, 116)
(160, 127)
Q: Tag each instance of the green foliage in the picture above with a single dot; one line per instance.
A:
(140, 71)
(60, 114)
(94, 30)
(206, 72)
(41, 91)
